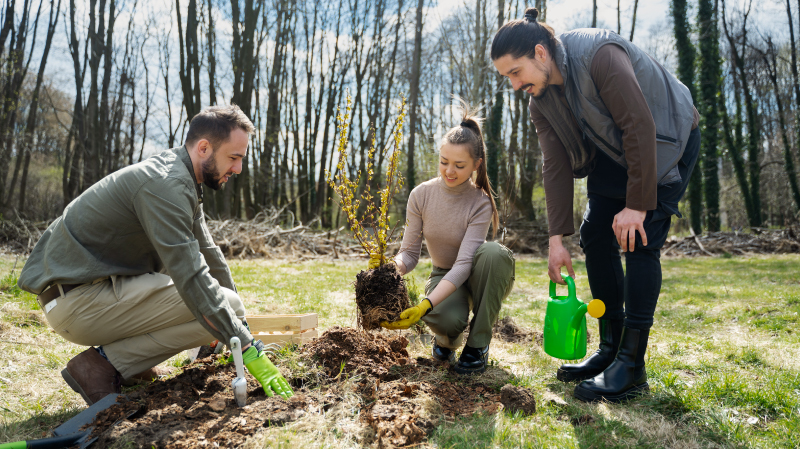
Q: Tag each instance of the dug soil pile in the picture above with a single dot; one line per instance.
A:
(507, 330)
(401, 399)
(349, 351)
(195, 409)
(381, 295)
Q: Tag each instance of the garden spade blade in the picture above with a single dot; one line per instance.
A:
(69, 434)
(240, 383)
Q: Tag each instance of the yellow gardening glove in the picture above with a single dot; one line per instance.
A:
(410, 316)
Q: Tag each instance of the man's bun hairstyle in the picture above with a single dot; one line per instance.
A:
(215, 124)
(520, 37)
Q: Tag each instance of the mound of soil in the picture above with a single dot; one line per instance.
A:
(402, 399)
(351, 351)
(518, 398)
(194, 409)
(381, 295)
(507, 330)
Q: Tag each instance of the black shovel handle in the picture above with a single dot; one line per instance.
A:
(64, 441)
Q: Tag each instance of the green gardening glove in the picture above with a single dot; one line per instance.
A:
(410, 316)
(266, 373)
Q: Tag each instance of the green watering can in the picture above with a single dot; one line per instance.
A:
(565, 322)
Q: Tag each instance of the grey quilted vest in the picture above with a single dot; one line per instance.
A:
(669, 100)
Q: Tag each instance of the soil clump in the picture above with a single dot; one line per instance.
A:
(381, 295)
(507, 330)
(518, 398)
(344, 350)
(195, 409)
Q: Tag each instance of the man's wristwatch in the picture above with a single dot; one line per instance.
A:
(258, 344)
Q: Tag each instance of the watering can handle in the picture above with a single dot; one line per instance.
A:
(580, 314)
(570, 287)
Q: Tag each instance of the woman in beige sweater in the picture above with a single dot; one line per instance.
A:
(452, 212)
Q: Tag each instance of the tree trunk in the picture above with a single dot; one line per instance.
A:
(753, 183)
(14, 78)
(494, 128)
(34, 106)
(189, 68)
(322, 186)
(686, 57)
(633, 21)
(709, 87)
(770, 59)
(211, 41)
(414, 97)
(788, 158)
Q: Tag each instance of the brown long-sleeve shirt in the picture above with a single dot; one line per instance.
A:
(616, 83)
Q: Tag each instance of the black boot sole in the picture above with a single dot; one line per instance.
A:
(461, 370)
(568, 376)
(451, 359)
(75, 385)
(587, 395)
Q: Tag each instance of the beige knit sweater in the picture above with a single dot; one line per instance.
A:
(453, 221)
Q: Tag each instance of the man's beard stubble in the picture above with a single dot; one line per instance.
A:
(211, 176)
(545, 83)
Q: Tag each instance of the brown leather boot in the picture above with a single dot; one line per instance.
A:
(148, 375)
(91, 375)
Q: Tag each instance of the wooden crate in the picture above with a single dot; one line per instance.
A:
(284, 329)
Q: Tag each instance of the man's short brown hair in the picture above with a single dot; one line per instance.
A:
(215, 124)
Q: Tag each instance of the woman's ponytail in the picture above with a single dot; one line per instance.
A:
(469, 132)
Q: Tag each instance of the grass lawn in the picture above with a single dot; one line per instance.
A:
(723, 362)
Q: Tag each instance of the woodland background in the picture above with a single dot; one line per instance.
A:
(91, 86)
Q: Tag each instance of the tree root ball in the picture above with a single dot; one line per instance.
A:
(381, 295)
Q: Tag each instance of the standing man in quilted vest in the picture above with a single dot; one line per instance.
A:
(604, 109)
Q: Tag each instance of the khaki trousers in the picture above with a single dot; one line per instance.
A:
(489, 283)
(139, 320)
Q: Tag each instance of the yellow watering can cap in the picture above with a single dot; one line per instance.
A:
(596, 308)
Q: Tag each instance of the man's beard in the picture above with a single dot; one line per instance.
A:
(545, 84)
(212, 177)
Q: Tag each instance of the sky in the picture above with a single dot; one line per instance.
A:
(653, 20)
(563, 15)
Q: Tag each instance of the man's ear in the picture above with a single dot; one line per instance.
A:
(541, 52)
(204, 148)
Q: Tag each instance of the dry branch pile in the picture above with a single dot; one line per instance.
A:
(267, 236)
(263, 236)
(760, 241)
(20, 236)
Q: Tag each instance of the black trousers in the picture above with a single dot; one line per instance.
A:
(631, 295)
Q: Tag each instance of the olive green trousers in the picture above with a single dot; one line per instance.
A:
(489, 283)
(139, 320)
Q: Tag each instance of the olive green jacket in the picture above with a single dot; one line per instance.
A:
(144, 218)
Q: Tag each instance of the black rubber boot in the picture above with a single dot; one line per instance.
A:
(472, 360)
(610, 333)
(443, 354)
(626, 378)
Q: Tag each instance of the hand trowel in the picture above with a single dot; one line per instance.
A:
(239, 384)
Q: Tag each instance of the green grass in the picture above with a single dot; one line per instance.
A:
(723, 362)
